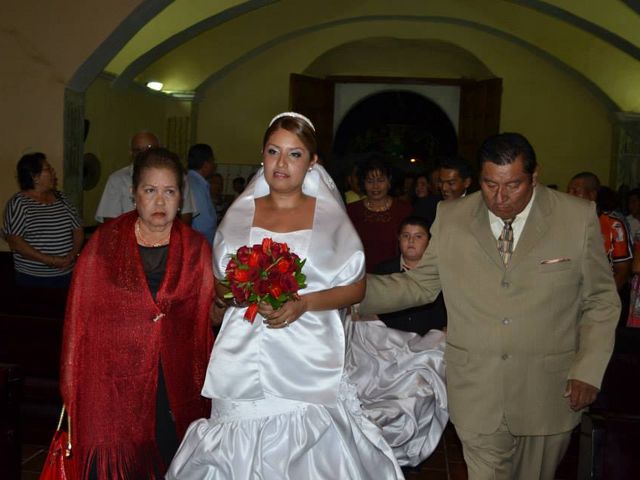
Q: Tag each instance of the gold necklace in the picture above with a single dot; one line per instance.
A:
(145, 243)
(383, 208)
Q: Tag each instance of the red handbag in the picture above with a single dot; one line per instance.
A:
(59, 463)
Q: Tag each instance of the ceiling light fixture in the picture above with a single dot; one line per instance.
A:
(157, 86)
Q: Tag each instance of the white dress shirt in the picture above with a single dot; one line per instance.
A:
(497, 224)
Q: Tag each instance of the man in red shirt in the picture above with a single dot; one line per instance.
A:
(617, 243)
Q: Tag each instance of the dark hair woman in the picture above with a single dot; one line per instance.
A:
(422, 186)
(137, 333)
(378, 215)
(43, 230)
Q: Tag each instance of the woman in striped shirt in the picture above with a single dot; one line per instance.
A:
(43, 230)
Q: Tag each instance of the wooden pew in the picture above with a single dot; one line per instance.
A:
(610, 431)
(10, 432)
(31, 323)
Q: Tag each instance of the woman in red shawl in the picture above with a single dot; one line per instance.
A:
(137, 335)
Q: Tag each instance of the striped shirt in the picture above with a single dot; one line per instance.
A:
(46, 227)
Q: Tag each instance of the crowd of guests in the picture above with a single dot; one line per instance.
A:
(148, 397)
(452, 178)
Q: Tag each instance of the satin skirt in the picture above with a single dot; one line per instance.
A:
(400, 378)
(276, 439)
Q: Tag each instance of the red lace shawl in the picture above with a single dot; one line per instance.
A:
(115, 335)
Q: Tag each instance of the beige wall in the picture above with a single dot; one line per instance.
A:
(116, 115)
(569, 127)
(42, 44)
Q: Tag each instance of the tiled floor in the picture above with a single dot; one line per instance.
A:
(32, 460)
(446, 463)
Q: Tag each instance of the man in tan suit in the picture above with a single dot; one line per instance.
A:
(532, 310)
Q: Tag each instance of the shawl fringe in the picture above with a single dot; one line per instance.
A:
(115, 337)
(120, 462)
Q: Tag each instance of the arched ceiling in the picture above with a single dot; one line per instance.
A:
(437, 59)
(191, 44)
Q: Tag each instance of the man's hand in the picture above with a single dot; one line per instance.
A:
(580, 394)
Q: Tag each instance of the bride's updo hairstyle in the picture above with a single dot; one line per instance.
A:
(297, 124)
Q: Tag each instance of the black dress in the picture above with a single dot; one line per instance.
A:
(154, 262)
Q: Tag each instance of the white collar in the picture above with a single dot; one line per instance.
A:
(520, 218)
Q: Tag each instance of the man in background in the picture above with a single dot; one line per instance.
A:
(201, 163)
(617, 242)
(633, 219)
(238, 185)
(117, 197)
(434, 181)
(220, 201)
(354, 193)
(455, 177)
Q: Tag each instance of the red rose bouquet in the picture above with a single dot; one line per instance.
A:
(266, 272)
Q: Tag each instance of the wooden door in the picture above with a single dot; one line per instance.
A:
(479, 115)
(313, 97)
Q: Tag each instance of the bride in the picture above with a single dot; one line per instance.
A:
(282, 407)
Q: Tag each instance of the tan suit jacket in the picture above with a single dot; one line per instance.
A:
(515, 334)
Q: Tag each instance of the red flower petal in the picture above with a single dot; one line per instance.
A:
(251, 312)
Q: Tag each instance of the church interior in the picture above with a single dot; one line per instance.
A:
(79, 78)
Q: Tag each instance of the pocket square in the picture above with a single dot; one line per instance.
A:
(551, 261)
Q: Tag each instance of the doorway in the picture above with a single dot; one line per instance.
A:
(478, 112)
(408, 128)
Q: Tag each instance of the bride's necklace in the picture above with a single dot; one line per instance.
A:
(145, 243)
(378, 208)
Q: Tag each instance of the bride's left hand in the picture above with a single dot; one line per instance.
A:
(285, 315)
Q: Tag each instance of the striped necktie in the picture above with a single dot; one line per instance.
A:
(505, 241)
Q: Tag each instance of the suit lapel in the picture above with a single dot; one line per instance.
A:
(481, 231)
(536, 226)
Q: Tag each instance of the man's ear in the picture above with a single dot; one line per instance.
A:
(534, 176)
(467, 182)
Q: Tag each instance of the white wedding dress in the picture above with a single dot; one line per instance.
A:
(282, 406)
(399, 377)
